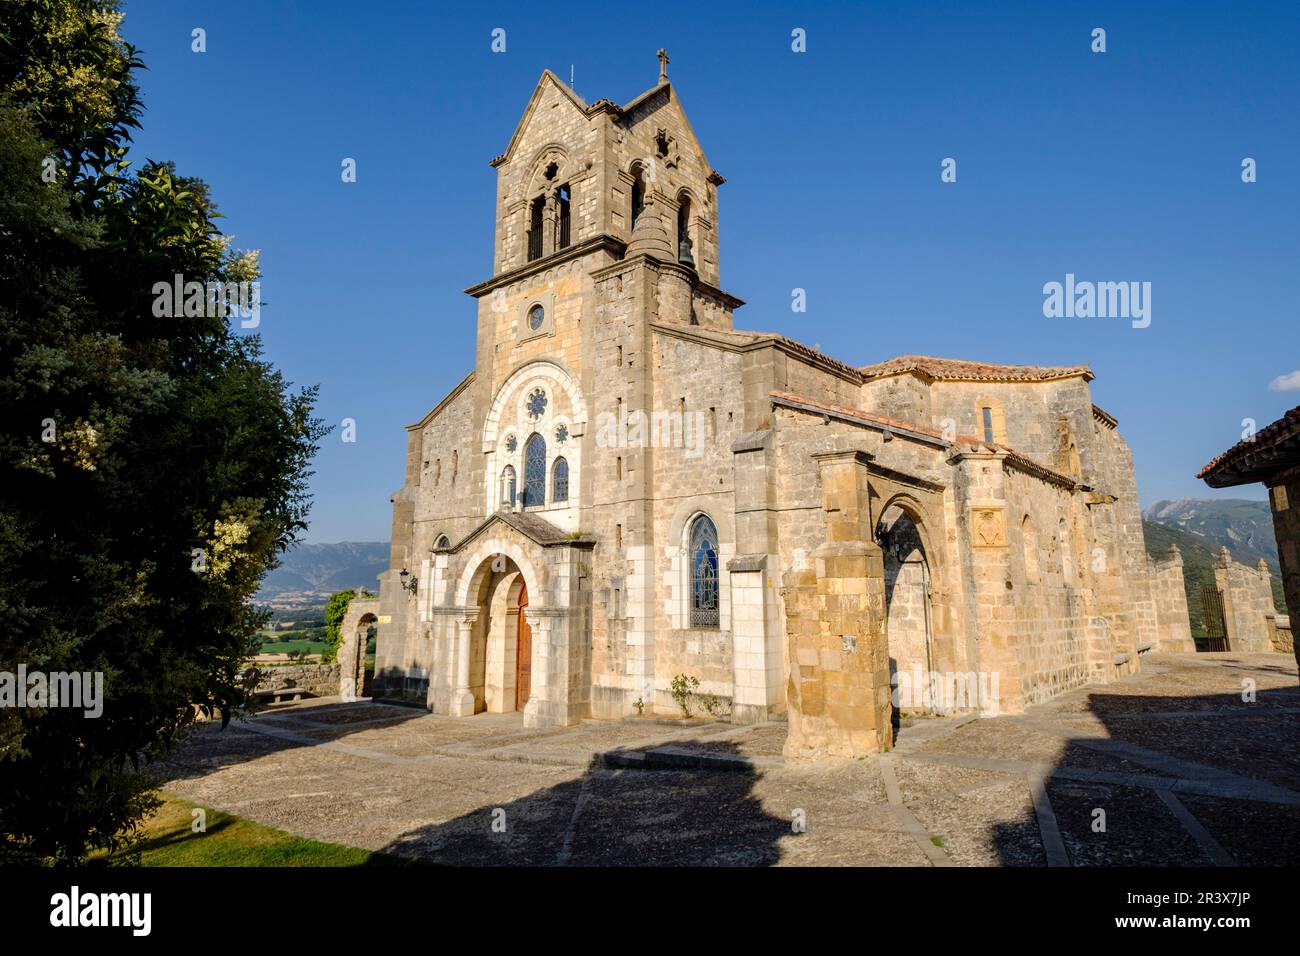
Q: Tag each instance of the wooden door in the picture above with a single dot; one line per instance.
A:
(523, 653)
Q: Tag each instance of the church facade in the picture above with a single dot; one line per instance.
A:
(628, 490)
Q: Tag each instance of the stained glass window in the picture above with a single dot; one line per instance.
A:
(704, 573)
(536, 403)
(536, 315)
(560, 481)
(535, 470)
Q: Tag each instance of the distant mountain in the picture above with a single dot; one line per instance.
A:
(321, 569)
(1245, 528)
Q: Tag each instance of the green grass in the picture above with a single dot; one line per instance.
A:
(166, 839)
(284, 647)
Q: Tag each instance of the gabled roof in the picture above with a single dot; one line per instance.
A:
(531, 526)
(960, 370)
(606, 106)
(1273, 448)
(546, 78)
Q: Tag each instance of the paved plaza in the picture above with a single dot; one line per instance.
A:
(1171, 767)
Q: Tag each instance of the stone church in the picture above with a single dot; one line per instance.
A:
(627, 487)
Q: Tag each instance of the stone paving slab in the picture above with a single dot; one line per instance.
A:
(1183, 773)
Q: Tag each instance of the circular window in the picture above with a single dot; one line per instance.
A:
(536, 315)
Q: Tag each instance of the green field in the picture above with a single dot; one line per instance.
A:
(284, 647)
(167, 839)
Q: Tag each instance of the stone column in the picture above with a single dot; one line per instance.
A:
(839, 693)
(462, 697)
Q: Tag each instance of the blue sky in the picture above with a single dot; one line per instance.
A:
(1122, 166)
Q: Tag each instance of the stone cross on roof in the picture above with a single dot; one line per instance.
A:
(663, 65)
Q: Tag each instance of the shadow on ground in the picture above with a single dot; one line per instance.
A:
(1195, 780)
(615, 817)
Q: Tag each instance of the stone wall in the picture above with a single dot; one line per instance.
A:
(1248, 609)
(1283, 639)
(1169, 591)
(316, 680)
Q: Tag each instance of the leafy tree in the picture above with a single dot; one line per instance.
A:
(153, 468)
(335, 610)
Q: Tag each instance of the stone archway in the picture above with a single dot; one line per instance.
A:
(494, 654)
(359, 625)
(908, 610)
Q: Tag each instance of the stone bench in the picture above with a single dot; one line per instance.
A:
(277, 694)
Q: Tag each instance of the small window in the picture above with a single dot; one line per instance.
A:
(560, 480)
(988, 424)
(442, 543)
(562, 200)
(535, 228)
(638, 194)
(536, 316)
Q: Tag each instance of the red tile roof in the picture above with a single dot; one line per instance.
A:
(1269, 438)
(959, 370)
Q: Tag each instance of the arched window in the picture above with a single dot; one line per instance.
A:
(560, 480)
(684, 231)
(535, 210)
(562, 201)
(442, 543)
(508, 486)
(638, 193)
(535, 471)
(704, 573)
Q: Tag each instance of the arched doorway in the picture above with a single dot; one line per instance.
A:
(500, 650)
(909, 618)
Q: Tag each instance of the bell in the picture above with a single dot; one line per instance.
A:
(684, 253)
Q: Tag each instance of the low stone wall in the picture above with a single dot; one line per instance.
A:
(318, 680)
(1169, 594)
(1283, 639)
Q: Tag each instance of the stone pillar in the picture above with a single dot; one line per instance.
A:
(839, 693)
(755, 624)
(462, 697)
(984, 524)
(550, 224)
(557, 698)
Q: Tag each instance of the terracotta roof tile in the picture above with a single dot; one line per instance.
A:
(1288, 426)
(960, 370)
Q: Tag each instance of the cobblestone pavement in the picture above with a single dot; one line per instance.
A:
(1171, 767)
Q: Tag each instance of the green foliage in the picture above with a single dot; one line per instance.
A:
(130, 443)
(683, 686)
(335, 610)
